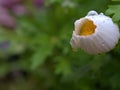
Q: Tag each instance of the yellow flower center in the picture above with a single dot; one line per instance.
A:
(87, 28)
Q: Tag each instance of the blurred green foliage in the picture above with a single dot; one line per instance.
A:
(114, 9)
(39, 55)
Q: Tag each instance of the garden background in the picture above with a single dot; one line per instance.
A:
(35, 51)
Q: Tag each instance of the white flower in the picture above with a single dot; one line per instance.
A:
(95, 33)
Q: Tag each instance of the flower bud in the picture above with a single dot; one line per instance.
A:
(95, 33)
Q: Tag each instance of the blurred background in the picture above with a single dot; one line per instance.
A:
(35, 51)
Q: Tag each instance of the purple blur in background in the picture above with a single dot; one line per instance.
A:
(18, 8)
(38, 3)
(6, 19)
(4, 45)
(9, 3)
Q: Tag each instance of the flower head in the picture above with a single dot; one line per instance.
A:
(95, 33)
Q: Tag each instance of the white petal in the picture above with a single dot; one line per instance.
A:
(104, 38)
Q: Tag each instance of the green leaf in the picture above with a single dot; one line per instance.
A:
(97, 62)
(44, 50)
(63, 67)
(115, 81)
(115, 0)
(115, 11)
(3, 70)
